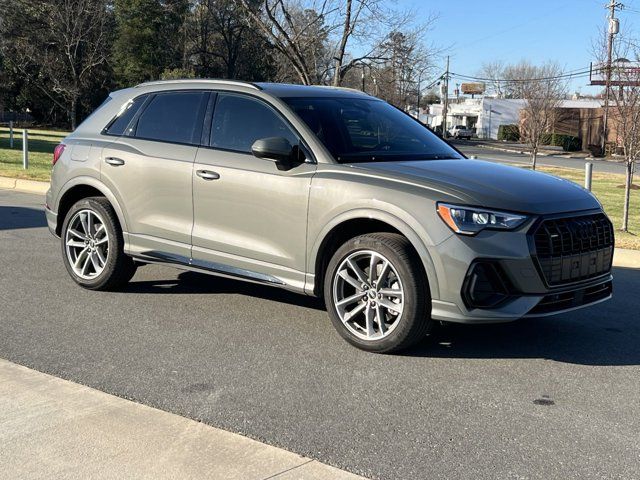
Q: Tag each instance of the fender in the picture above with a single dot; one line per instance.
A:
(407, 226)
(102, 188)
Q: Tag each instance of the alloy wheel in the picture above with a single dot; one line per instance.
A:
(87, 244)
(368, 295)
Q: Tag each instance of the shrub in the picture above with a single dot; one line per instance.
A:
(569, 143)
(509, 133)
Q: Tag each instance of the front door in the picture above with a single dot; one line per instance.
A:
(250, 218)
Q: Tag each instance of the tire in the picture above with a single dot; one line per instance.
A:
(103, 265)
(399, 329)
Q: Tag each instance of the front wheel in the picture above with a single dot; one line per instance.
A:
(93, 247)
(377, 294)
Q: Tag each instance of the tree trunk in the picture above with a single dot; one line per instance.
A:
(627, 194)
(534, 157)
(346, 32)
(73, 113)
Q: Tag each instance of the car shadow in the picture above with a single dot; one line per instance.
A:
(199, 283)
(13, 218)
(605, 334)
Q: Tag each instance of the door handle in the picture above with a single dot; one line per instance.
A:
(116, 162)
(207, 174)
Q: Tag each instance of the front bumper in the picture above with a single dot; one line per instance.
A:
(528, 294)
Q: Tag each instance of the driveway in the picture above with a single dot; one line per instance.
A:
(543, 398)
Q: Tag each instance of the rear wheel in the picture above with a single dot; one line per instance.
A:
(377, 293)
(93, 247)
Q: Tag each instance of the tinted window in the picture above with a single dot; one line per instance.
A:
(173, 117)
(119, 124)
(363, 130)
(238, 121)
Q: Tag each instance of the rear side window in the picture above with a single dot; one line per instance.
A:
(238, 121)
(120, 123)
(174, 117)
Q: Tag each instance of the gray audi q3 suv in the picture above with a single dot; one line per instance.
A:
(327, 192)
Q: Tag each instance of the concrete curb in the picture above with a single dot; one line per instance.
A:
(20, 185)
(53, 428)
(623, 257)
(525, 152)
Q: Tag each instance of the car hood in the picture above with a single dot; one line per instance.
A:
(493, 185)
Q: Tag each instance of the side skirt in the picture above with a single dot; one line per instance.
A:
(209, 268)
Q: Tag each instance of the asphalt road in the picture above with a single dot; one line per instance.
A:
(544, 398)
(473, 148)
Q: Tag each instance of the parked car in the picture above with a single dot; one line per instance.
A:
(326, 192)
(460, 131)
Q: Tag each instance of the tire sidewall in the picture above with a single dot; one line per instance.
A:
(415, 297)
(115, 243)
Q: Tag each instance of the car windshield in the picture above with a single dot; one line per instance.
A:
(368, 130)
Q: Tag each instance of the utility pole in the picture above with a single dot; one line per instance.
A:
(445, 100)
(613, 30)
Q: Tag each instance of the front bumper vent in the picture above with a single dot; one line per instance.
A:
(557, 302)
(486, 285)
(573, 249)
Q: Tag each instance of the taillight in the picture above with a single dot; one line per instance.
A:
(57, 152)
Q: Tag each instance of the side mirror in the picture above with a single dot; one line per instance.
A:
(276, 149)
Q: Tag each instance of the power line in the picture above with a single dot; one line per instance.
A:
(576, 74)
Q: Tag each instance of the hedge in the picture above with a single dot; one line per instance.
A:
(509, 133)
(569, 143)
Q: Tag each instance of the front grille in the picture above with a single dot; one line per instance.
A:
(574, 248)
(557, 302)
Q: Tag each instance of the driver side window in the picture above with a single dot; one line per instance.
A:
(238, 121)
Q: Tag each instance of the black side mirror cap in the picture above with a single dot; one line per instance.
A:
(276, 149)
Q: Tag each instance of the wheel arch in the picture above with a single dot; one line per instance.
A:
(83, 187)
(358, 222)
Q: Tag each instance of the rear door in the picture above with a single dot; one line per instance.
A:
(149, 169)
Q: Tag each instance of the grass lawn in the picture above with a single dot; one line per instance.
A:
(607, 187)
(41, 145)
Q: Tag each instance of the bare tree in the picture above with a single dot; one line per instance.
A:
(625, 120)
(624, 105)
(287, 36)
(221, 43)
(56, 46)
(626, 117)
(406, 63)
(494, 72)
(542, 88)
(324, 31)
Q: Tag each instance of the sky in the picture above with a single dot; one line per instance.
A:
(476, 31)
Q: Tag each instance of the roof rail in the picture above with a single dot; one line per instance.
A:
(215, 81)
(348, 89)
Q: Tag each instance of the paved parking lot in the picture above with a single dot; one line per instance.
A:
(544, 398)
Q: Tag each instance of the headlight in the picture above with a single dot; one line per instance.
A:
(471, 220)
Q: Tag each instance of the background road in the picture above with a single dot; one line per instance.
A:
(473, 148)
(544, 398)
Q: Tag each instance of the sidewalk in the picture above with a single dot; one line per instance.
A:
(53, 428)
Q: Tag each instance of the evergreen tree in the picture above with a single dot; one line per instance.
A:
(149, 39)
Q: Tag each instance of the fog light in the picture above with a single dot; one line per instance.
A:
(485, 285)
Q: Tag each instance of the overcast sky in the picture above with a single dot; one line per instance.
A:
(476, 31)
